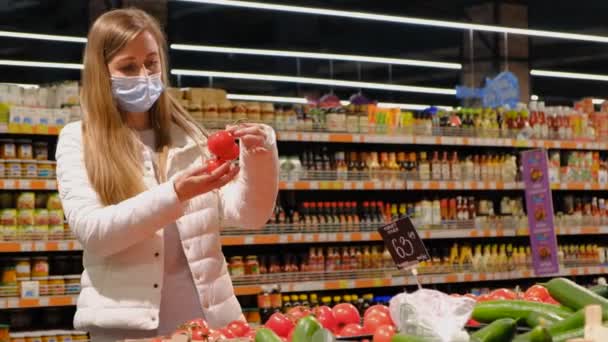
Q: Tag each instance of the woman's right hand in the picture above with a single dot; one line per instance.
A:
(197, 181)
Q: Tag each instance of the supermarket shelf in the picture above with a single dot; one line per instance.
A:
(288, 235)
(396, 278)
(28, 184)
(428, 185)
(51, 130)
(438, 140)
(39, 246)
(21, 303)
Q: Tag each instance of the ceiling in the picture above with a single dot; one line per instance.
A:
(217, 25)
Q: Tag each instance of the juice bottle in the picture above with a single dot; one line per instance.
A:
(445, 167)
(385, 169)
(393, 166)
(424, 167)
(345, 262)
(455, 167)
(367, 258)
(341, 167)
(436, 166)
(373, 166)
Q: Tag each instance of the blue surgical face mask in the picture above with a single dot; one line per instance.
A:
(137, 93)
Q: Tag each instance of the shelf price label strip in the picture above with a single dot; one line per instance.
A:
(424, 279)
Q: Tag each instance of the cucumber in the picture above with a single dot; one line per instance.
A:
(573, 295)
(540, 334)
(532, 313)
(601, 290)
(407, 338)
(574, 321)
(568, 335)
(501, 330)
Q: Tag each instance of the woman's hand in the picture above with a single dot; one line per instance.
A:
(253, 136)
(197, 181)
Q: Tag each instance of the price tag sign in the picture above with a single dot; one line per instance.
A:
(403, 243)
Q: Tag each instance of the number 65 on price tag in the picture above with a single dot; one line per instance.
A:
(403, 243)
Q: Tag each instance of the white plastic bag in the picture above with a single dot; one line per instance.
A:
(431, 314)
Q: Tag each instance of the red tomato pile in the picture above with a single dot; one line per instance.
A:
(341, 320)
(222, 144)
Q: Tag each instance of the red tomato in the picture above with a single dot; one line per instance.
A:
(346, 313)
(233, 153)
(280, 324)
(220, 144)
(375, 320)
(227, 332)
(537, 291)
(376, 308)
(239, 328)
(384, 333)
(298, 312)
(214, 164)
(503, 294)
(326, 317)
(352, 329)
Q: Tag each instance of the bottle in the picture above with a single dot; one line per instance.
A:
(402, 210)
(326, 301)
(477, 168)
(469, 168)
(384, 172)
(380, 217)
(265, 303)
(304, 301)
(393, 166)
(455, 167)
(402, 160)
(394, 212)
(424, 167)
(341, 167)
(295, 300)
(342, 215)
(387, 259)
(484, 168)
(436, 167)
(345, 261)
(367, 258)
(314, 301)
(286, 304)
(436, 219)
(445, 167)
(542, 121)
(374, 166)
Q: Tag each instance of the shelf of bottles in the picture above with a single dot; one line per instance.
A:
(387, 278)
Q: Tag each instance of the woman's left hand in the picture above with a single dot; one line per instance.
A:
(253, 136)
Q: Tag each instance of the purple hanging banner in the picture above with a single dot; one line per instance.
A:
(539, 205)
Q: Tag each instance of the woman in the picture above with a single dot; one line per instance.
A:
(136, 193)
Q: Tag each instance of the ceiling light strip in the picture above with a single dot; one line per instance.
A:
(38, 36)
(402, 20)
(572, 75)
(50, 65)
(314, 55)
(302, 100)
(316, 81)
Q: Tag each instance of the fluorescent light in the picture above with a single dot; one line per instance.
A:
(411, 106)
(317, 81)
(597, 101)
(574, 75)
(301, 100)
(314, 55)
(402, 20)
(534, 97)
(262, 98)
(52, 37)
(50, 65)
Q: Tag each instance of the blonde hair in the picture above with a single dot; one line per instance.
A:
(112, 154)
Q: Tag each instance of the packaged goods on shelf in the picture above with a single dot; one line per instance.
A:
(51, 276)
(31, 216)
